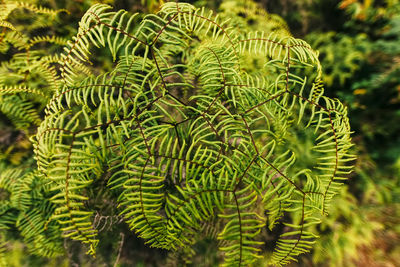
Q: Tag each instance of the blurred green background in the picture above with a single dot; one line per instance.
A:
(359, 46)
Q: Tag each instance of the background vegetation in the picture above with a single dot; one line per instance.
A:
(359, 44)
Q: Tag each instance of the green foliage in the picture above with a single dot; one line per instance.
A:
(363, 62)
(345, 238)
(370, 39)
(181, 135)
(248, 15)
(340, 54)
(29, 77)
(27, 208)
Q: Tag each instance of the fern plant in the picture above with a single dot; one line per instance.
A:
(29, 77)
(179, 135)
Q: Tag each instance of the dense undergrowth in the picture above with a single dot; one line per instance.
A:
(358, 44)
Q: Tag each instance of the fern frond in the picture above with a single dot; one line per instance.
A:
(98, 28)
(14, 38)
(8, 90)
(198, 201)
(8, 7)
(7, 178)
(249, 15)
(42, 239)
(7, 24)
(21, 112)
(26, 197)
(294, 242)
(3, 243)
(241, 228)
(48, 39)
